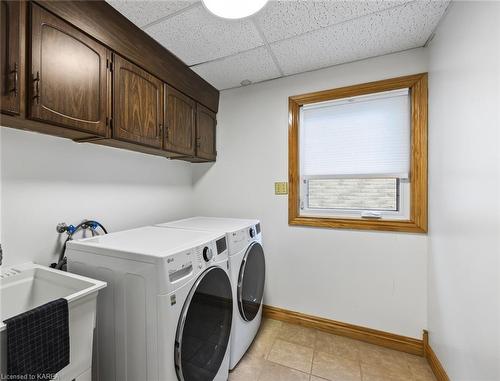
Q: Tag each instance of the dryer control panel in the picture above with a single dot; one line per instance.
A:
(240, 239)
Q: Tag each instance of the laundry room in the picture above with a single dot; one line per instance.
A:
(295, 190)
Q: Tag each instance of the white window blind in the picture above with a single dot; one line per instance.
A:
(363, 136)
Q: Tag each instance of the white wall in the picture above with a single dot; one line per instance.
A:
(464, 241)
(374, 279)
(46, 180)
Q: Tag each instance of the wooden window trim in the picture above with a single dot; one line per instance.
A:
(417, 222)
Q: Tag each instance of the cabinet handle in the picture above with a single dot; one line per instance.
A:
(16, 80)
(160, 130)
(37, 89)
(198, 142)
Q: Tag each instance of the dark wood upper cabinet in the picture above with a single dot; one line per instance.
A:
(180, 123)
(10, 63)
(138, 104)
(82, 71)
(104, 23)
(68, 83)
(205, 133)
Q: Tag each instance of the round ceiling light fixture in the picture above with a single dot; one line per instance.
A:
(234, 9)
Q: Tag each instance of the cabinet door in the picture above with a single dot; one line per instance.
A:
(68, 75)
(9, 65)
(138, 104)
(180, 123)
(205, 133)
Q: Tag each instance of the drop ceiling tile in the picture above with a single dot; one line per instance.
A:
(197, 36)
(405, 27)
(142, 12)
(255, 65)
(285, 19)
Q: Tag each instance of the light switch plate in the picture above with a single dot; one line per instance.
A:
(281, 188)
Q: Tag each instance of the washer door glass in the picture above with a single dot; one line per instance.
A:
(204, 327)
(251, 281)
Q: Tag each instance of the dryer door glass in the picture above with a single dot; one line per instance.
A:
(251, 282)
(204, 327)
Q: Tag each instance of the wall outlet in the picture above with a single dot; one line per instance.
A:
(281, 188)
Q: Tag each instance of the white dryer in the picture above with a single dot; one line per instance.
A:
(247, 269)
(167, 312)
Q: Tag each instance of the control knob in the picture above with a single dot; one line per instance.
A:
(207, 254)
(251, 232)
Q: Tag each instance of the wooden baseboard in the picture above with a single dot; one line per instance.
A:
(432, 359)
(373, 336)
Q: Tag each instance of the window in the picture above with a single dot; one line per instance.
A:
(358, 156)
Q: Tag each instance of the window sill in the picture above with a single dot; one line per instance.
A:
(359, 224)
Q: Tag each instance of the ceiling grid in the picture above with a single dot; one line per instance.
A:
(286, 37)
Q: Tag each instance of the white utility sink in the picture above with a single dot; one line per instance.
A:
(27, 286)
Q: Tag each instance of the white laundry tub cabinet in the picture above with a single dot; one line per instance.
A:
(26, 286)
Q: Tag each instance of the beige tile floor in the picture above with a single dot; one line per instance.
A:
(286, 352)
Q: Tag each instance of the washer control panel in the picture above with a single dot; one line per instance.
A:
(179, 268)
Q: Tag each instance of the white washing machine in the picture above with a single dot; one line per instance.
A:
(167, 312)
(247, 269)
